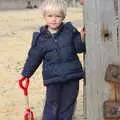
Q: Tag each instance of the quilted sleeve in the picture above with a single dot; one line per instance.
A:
(78, 43)
(34, 58)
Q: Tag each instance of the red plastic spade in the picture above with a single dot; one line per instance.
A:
(28, 114)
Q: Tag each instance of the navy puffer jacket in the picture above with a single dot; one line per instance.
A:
(58, 53)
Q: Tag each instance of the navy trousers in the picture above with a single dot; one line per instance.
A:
(60, 100)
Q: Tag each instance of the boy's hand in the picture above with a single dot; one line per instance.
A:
(82, 2)
(82, 33)
(24, 83)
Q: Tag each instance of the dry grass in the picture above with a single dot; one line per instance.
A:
(16, 29)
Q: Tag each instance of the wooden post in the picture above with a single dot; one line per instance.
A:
(102, 23)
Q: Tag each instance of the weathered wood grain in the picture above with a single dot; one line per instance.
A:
(103, 48)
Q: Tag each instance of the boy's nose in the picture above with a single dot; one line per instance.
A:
(54, 19)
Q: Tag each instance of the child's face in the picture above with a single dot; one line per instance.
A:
(53, 19)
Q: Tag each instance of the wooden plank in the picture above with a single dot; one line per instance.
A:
(103, 48)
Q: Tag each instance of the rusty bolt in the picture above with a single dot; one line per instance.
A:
(114, 71)
(113, 110)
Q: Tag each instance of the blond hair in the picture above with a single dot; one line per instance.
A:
(56, 5)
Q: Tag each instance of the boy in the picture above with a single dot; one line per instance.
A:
(56, 45)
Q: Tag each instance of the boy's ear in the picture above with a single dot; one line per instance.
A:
(63, 17)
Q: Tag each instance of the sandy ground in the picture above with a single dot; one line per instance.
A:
(16, 29)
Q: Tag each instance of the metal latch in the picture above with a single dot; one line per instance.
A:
(112, 73)
(111, 109)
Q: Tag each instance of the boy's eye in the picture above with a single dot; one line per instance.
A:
(58, 16)
(49, 15)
